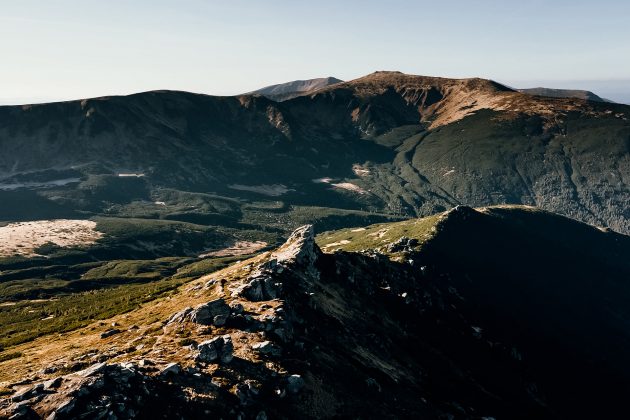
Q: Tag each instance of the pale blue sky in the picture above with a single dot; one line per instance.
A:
(65, 49)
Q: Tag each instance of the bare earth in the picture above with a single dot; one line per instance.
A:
(23, 238)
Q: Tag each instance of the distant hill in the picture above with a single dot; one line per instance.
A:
(564, 93)
(284, 91)
(385, 144)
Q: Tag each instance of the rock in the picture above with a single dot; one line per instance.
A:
(172, 368)
(267, 348)
(53, 383)
(253, 290)
(220, 320)
(63, 410)
(404, 244)
(260, 287)
(272, 288)
(206, 313)
(109, 333)
(295, 383)
(92, 370)
(236, 308)
(179, 316)
(217, 349)
(282, 334)
(299, 248)
(254, 387)
(261, 416)
(28, 393)
(145, 362)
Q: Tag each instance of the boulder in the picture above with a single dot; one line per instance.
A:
(260, 287)
(208, 313)
(267, 348)
(171, 369)
(218, 349)
(295, 383)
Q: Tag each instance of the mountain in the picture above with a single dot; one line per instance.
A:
(564, 93)
(284, 91)
(496, 312)
(387, 145)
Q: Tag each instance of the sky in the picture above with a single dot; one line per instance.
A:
(67, 49)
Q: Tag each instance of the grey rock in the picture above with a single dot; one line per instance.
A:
(260, 287)
(299, 248)
(220, 320)
(295, 383)
(53, 383)
(253, 290)
(217, 349)
(404, 244)
(236, 308)
(172, 368)
(267, 348)
(28, 393)
(110, 332)
(93, 370)
(63, 409)
(179, 316)
(205, 314)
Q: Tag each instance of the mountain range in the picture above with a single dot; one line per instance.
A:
(387, 247)
(403, 145)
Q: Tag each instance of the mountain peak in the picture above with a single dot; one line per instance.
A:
(284, 91)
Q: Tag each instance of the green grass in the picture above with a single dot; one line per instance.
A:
(26, 320)
(136, 269)
(208, 265)
(378, 235)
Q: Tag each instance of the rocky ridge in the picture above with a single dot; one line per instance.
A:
(388, 332)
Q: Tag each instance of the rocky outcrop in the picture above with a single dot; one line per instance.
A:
(298, 254)
(217, 349)
(300, 248)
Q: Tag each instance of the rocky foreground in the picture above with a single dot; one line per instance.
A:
(382, 333)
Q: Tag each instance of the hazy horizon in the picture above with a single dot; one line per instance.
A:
(73, 50)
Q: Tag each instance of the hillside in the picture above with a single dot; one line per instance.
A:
(564, 93)
(388, 143)
(284, 91)
(496, 312)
